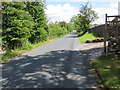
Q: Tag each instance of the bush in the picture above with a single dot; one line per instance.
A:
(43, 34)
(69, 28)
(26, 46)
(56, 30)
(0, 36)
(8, 55)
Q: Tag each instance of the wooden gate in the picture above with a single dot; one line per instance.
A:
(112, 33)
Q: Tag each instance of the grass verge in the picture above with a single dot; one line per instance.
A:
(26, 48)
(87, 36)
(108, 67)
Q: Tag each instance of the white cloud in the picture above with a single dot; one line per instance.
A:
(114, 5)
(61, 12)
(101, 13)
(82, 0)
(65, 12)
(113, 10)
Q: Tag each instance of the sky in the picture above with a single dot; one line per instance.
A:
(64, 10)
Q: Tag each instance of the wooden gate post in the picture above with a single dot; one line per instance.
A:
(105, 34)
(117, 35)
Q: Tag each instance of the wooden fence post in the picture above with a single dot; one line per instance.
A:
(117, 35)
(105, 34)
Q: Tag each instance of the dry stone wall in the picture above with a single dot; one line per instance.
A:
(98, 30)
(113, 35)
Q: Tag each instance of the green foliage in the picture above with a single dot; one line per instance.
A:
(25, 24)
(8, 55)
(87, 36)
(69, 27)
(59, 29)
(63, 24)
(75, 21)
(0, 37)
(107, 66)
(39, 32)
(0, 40)
(43, 34)
(84, 18)
(17, 24)
(26, 47)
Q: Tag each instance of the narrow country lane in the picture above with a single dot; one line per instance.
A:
(58, 64)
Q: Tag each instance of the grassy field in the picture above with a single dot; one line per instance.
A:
(108, 68)
(87, 36)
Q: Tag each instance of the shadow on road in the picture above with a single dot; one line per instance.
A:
(55, 69)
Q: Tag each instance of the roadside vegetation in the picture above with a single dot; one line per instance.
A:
(87, 36)
(83, 21)
(25, 26)
(27, 47)
(108, 67)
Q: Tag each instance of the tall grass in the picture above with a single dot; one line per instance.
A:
(8, 55)
(87, 36)
(108, 68)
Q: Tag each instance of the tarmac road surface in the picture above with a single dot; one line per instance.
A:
(58, 64)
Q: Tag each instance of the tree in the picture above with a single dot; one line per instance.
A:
(26, 22)
(67, 26)
(36, 9)
(75, 21)
(63, 24)
(17, 24)
(84, 18)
